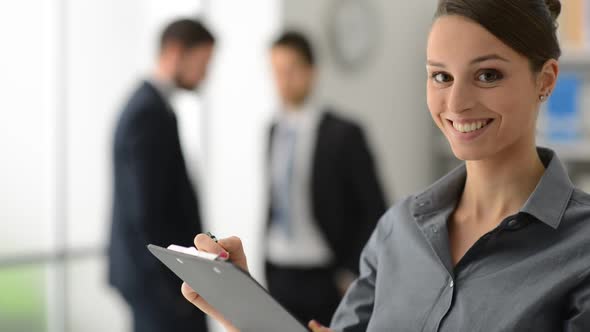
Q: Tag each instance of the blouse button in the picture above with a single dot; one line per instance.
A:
(512, 223)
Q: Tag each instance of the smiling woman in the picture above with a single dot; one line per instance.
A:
(501, 80)
(500, 243)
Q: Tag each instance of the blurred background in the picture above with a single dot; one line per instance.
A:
(68, 66)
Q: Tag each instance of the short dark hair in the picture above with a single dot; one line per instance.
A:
(527, 26)
(298, 43)
(187, 32)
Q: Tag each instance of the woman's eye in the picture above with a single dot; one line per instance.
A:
(441, 78)
(489, 76)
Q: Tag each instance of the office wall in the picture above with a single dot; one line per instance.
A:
(388, 94)
(239, 100)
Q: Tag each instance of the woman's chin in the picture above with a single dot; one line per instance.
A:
(468, 153)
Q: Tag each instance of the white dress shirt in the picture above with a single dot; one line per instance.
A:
(305, 245)
(186, 128)
(165, 89)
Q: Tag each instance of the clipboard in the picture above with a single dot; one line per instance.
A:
(231, 290)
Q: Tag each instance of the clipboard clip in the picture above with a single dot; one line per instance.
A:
(193, 251)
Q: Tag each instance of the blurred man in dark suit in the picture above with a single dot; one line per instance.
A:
(325, 198)
(154, 200)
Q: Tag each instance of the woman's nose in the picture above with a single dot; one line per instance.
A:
(461, 97)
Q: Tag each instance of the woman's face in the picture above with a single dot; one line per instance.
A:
(481, 93)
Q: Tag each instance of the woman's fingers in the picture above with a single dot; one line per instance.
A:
(314, 326)
(206, 244)
(205, 307)
(233, 245)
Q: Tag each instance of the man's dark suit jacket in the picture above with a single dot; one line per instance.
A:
(154, 200)
(346, 197)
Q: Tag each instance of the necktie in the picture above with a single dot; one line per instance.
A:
(283, 181)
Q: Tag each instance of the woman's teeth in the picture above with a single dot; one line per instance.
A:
(468, 127)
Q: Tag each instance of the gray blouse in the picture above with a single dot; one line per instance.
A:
(531, 273)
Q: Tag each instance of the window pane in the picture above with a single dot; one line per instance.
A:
(23, 300)
(102, 41)
(26, 140)
(89, 294)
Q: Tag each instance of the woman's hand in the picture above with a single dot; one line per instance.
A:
(230, 249)
(314, 326)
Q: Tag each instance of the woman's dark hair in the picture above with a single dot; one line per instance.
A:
(527, 26)
(298, 43)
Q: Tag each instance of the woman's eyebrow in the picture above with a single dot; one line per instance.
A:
(488, 57)
(435, 64)
(479, 59)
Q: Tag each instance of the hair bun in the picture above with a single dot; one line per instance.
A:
(554, 8)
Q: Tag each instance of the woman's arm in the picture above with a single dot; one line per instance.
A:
(579, 310)
(356, 308)
(354, 311)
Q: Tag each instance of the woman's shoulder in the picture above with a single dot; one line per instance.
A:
(579, 206)
(581, 197)
(402, 206)
(401, 212)
(577, 213)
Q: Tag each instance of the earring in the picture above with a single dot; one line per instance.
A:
(545, 96)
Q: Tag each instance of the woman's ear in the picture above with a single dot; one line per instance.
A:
(547, 78)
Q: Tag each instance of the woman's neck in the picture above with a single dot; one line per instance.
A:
(498, 187)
